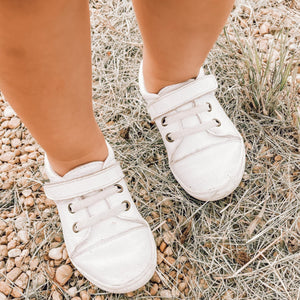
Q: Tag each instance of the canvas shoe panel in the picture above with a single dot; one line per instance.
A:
(116, 253)
(208, 162)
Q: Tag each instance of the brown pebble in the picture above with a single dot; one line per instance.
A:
(155, 278)
(278, 158)
(181, 286)
(22, 281)
(170, 260)
(16, 292)
(63, 274)
(8, 112)
(14, 274)
(29, 201)
(85, 295)
(56, 295)
(29, 148)
(168, 251)
(154, 289)
(15, 142)
(166, 294)
(264, 28)
(7, 156)
(3, 251)
(5, 288)
(160, 257)
(162, 246)
(14, 123)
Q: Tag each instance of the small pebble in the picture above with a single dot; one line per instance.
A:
(16, 293)
(23, 236)
(5, 288)
(14, 252)
(3, 251)
(162, 246)
(27, 192)
(15, 142)
(2, 296)
(264, 28)
(7, 156)
(2, 225)
(166, 294)
(14, 274)
(8, 112)
(14, 123)
(72, 291)
(154, 289)
(55, 253)
(56, 295)
(22, 281)
(84, 295)
(63, 274)
(29, 148)
(20, 222)
(155, 278)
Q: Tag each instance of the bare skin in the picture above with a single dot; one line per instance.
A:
(45, 65)
(177, 36)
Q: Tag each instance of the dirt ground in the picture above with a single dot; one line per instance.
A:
(246, 246)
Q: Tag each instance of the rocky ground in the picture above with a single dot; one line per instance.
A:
(246, 246)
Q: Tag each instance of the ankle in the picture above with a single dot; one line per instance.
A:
(156, 77)
(63, 166)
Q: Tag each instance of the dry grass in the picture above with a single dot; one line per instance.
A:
(246, 246)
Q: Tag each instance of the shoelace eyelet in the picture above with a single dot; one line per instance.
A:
(120, 187)
(70, 208)
(74, 228)
(168, 138)
(163, 121)
(128, 205)
(209, 107)
(218, 122)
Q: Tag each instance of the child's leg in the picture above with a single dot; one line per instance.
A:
(177, 37)
(45, 74)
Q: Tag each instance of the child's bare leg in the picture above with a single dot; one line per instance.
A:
(177, 37)
(45, 74)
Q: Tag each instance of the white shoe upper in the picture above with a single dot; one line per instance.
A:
(206, 152)
(107, 239)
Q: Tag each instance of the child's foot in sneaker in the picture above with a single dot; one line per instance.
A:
(107, 239)
(206, 152)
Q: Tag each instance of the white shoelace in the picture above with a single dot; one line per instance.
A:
(202, 107)
(87, 200)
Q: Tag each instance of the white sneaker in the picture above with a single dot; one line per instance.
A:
(206, 152)
(107, 239)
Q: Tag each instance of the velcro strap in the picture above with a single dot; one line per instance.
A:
(181, 96)
(83, 185)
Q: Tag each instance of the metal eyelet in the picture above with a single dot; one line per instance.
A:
(120, 187)
(70, 208)
(128, 205)
(163, 121)
(209, 107)
(218, 122)
(168, 138)
(74, 228)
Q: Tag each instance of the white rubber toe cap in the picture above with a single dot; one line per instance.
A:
(126, 268)
(211, 174)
